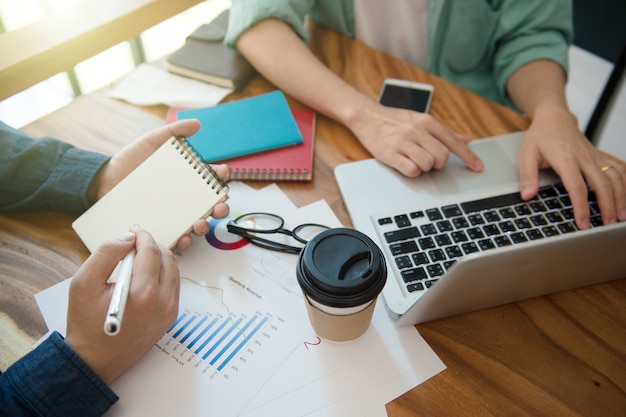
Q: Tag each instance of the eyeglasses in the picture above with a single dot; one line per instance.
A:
(250, 225)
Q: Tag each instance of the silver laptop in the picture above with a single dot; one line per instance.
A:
(457, 241)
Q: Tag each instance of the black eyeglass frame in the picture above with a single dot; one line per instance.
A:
(251, 234)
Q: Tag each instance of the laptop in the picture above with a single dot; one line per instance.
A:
(457, 241)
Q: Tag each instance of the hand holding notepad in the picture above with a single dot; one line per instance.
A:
(170, 190)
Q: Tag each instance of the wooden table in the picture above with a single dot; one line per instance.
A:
(558, 355)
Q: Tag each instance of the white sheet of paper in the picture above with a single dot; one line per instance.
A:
(149, 85)
(295, 372)
(324, 377)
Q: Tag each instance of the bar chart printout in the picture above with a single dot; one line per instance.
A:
(218, 345)
(240, 316)
(233, 330)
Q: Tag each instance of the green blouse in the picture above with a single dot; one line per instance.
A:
(476, 44)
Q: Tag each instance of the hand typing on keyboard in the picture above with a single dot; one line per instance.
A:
(589, 169)
(425, 243)
(553, 140)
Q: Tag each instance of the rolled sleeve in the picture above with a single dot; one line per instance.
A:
(532, 31)
(334, 14)
(67, 186)
(44, 174)
(53, 380)
(246, 13)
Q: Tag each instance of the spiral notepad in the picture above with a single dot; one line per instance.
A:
(164, 195)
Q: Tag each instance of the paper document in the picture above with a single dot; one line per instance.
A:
(242, 344)
(148, 85)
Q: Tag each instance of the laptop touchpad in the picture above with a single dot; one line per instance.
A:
(457, 177)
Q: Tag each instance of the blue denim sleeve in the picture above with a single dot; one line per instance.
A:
(53, 380)
(44, 174)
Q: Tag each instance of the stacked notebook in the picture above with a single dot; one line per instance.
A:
(259, 138)
(205, 57)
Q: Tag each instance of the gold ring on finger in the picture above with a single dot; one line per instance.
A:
(606, 168)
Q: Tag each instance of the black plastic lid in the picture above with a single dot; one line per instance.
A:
(341, 268)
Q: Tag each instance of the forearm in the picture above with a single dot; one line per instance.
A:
(285, 60)
(408, 141)
(538, 87)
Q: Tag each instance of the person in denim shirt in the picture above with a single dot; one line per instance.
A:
(71, 377)
(513, 52)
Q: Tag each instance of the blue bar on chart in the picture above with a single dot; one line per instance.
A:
(212, 336)
(232, 341)
(245, 341)
(222, 338)
(202, 333)
(202, 320)
(178, 320)
(182, 329)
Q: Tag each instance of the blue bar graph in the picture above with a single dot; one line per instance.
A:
(215, 333)
(216, 340)
(182, 329)
(202, 320)
(178, 320)
(232, 341)
(242, 344)
(202, 333)
(222, 338)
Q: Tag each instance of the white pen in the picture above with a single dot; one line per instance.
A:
(113, 321)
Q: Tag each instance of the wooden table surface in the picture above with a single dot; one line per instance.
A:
(557, 355)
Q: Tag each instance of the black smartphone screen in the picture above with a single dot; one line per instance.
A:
(404, 97)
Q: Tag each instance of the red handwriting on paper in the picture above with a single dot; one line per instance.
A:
(315, 343)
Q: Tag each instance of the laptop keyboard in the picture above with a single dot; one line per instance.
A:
(424, 244)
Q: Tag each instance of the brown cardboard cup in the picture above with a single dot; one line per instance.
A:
(341, 272)
(339, 327)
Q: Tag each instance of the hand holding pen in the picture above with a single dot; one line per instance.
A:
(113, 320)
(151, 305)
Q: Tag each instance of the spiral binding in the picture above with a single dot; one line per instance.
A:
(278, 174)
(208, 174)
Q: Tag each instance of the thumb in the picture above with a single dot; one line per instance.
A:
(105, 258)
(155, 138)
(185, 128)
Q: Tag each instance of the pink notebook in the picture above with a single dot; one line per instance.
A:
(292, 163)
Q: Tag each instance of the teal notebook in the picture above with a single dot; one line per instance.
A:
(243, 127)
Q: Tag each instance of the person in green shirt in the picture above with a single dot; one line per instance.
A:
(509, 51)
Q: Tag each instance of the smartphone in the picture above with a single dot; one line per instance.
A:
(406, 94)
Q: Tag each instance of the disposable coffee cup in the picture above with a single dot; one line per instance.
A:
(341, 272)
